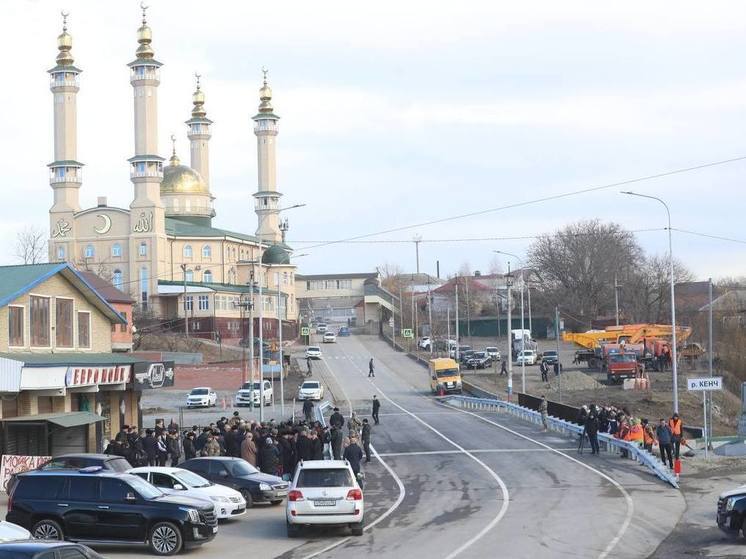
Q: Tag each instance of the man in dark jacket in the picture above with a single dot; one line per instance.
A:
(269, 457)
(304, 447)
(354, 454)
(665, 437)
(317, 446)
(376, 407)
(371, 370)
(199, 443)
(365, 435)
(174, 447)
(308, 410)
(336, 419)
(591, 428)
(287, 455)
(151, 448)
(336, 443)
(189, 449)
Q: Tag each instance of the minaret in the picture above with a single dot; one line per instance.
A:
(147, 220)
(267, 197)
(199, 135)
(65, 171)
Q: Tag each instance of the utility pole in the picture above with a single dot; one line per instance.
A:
(458, 341)
(530, 327)
(557, 336)
(710, 351)
(468, 311)
(523, 340)
(430, 316)
(616, 299)
(417, 240)
(251, 330)
(509, 283)
(186, 315)
(282, 362)
(243, 305)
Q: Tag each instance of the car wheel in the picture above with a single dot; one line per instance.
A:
(248, 498)
(47, 530)
(293, 530)
(356, 529)
(165, 539)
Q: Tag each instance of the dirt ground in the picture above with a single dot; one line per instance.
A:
(581, 385)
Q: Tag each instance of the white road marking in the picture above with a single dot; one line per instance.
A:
(623, 491)
(472, 451)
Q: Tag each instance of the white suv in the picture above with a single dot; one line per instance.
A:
(246, 396)
(324, 492)
(202, 397)
(311, 390)
(313, 352)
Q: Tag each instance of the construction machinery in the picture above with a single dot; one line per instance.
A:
(655, 340)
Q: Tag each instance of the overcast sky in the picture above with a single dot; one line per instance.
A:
(397, 113)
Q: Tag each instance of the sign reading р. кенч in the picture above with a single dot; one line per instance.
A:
(707, 383)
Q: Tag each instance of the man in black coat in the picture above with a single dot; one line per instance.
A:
(354, 455)
(287, 455)
(150, 445)
(336, 443)
(336, 419)
(308, 410)
(189, 449)
(304, 446)
(376, 407)
(317, 446)
(269, 457)
(365, 435)
(199, 444)
(591, 428)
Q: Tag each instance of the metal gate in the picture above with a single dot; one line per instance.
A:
(70, 440)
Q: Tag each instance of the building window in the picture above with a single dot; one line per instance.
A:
(143, 250)
(89, 252)
(84, 329)
(187, 205)
(116, 279)
(207, 276)
(189, 275)
(123, 327)
(206, 251)
(60, 253)
(187, 251)
(204, 302)
(144, 287)
(189, 305)
(39, 321)
(176, 204)
(140, 166)
(64, 322)
(116, 250)
(15, 326)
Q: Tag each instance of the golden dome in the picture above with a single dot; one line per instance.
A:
(64, 44)
(265, 95)
(180, 179)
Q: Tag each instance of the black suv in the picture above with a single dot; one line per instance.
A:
(35, 549)
(105, 462)
(111, 508)
(238, 474)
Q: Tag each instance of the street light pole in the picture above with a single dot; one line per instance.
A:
(509, 284)
(186, 316)
(674, 354)
(523, 331)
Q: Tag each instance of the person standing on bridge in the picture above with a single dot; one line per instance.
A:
(376, 407)
(366, 439)
(503, 368)
(543, 410)
(336, 419)
(336, 443)
(676, 434)
(591, 428)
(308, 410)
(354, 454)
(371, 371)
(664, 436)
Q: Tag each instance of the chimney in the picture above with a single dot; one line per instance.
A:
(477, 273)
(102, 201)
(437, 269)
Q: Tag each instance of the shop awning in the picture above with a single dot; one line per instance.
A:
(69, 419)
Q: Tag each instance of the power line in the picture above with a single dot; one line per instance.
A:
(537, 200)
(707, 235)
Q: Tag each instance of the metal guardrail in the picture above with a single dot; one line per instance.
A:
(606, 441)
(319, 411)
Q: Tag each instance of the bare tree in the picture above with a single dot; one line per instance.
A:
(646, 293)
(31, 245)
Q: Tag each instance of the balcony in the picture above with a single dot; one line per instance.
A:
(71, 177)
(66, 79)
(146, 173)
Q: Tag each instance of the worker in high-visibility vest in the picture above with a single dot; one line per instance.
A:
(648, 436)
(675, 425)
(635, 433)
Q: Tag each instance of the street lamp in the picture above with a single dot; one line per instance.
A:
(674, 368)
(523, 332)
(185, 269)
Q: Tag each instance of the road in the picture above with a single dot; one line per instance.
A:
(448, 483)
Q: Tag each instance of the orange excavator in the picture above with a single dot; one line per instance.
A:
(654, 338)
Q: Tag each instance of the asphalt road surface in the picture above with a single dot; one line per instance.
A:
(449, 483)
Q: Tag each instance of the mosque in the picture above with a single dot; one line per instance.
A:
(164, 250)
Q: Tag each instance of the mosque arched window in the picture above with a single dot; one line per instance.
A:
(206, 251)
(89, 251)
(187, 251)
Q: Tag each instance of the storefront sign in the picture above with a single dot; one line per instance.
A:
(154, 375)
(95, 376)
(13, 464)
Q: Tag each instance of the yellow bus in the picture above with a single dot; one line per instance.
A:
(445, 376)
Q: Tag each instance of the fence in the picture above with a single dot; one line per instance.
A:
(609, 443)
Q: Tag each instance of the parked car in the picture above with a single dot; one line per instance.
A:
(329, 338)
(527, 356)
(202, 397)
(343, 332)
(10, 532)
(479, 360)
(424, 343)
(228, 502)
(549, 357)
(311, 390)
(324, 493)
(238, 474)
(731, 510)
(321, 328)
(250, 395)
(313, 351)
(35, 549)
(461, 350)
(493, 352)
(464, 356)
(104, 463)
(64, 504)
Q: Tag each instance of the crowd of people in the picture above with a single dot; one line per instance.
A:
(274, 448)
(667, 435)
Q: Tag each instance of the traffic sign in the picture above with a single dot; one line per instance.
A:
(407, 333)
(305, 331)
(707, 383)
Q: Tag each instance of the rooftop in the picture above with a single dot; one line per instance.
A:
(360, 275)
(106, 289)
(72, 359)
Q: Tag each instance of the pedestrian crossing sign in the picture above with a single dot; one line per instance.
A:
(407, 333)
(305, 331)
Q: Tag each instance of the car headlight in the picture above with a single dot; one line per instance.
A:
(219, 499)
(731, 502)
(265, 487)
(193, 515)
